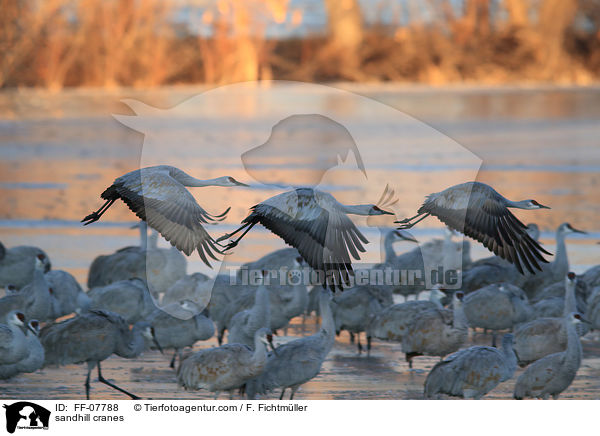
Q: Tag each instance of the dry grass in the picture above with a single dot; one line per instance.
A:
(108, 43)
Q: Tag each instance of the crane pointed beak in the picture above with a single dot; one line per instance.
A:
(544, 207)
(406, 236)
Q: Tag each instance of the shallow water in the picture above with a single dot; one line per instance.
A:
(59, 151)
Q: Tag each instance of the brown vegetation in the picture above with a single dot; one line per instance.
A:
(57, 43)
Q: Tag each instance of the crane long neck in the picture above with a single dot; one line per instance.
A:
(327, 322)
(260, 315)
(187, 180)
(573, 352)
(570, 300)
(357, 209)
(561, 260)
(510, 355)
(388, 246)
(460, 319)
(259, 357)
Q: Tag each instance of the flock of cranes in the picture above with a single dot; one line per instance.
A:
(126, 311)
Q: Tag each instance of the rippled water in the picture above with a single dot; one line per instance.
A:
(59, 151)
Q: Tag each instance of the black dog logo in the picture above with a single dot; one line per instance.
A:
(26, 415)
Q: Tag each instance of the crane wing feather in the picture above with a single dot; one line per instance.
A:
(485, 218)
(313, 223)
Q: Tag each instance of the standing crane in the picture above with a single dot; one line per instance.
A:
(93, 337)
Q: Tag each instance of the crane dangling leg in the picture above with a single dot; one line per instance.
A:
(95, 216)
(406, 223)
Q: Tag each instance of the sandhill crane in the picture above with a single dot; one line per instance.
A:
(552, 374)
(177, 332)
(317, 225)
(222, 295)
(497, 307)
(550, 301)
(244, 324)
(392, 322)
(91, 338)
(158, 196)
(472, 372)
(128, 298)
(13, 343)
(17, 264)
(67, 292)
(543, 336)
(292, 364)
(592, 311)
(436, 332)
(275, 260)
(189, 287)
(34, 359)
(159, 267)
(478, 211)
(224, 368)
(354, 309)
(286, 300)
(554, 271)
(35, 299)
(592, 276)
(494, 269)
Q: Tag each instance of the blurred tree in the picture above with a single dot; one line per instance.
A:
(345, 31)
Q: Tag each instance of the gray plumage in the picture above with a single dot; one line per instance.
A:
(437, 332)
(160, 268)
(592, 312)
(223, 294)
(246, 323)
(317, 225)
(497, 307)
(92, 337)
(554, 271)
(285, 257)
(13, 343)
(355, 308)
(298, 361)
(543, 336)
(189, 287)
(392, 323)
(478, 211)
(35, 299)
(472, 372)
(554, 373)
(128, 298)
(17, 265)
(224, 368)
(592, 276)
(179, 332)
(34, 359)
(68, 294)
(158, 195)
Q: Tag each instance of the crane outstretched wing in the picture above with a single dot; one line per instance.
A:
(317, 227)
(169, 208)
(490, 222)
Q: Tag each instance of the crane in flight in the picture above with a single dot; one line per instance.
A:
(158, 196)
(317, 225)
(480, 212)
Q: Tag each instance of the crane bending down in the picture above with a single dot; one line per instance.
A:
(478, 211)
(158, 196)
(317, 225)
